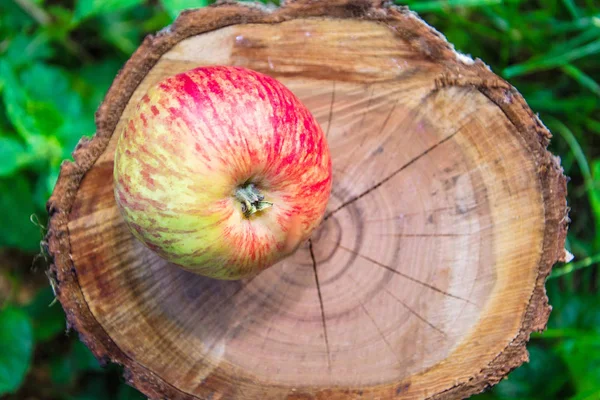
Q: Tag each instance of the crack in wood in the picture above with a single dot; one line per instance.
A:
(364, 116)
(380, 332)
(266, 335)
(410, 278)
(377, 326)
(411, 214)
(393, 174)
(416, 314)
(330, 111)
(388, 117)
(323, 319)
(426, 234)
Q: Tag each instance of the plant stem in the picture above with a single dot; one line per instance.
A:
(252, 200)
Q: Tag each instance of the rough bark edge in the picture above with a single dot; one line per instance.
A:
(462, 72)
(554, 191)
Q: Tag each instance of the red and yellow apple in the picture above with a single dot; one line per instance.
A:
(222, 171)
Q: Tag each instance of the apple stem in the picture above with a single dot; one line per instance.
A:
(252, 200)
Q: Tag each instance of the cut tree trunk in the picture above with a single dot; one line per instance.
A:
(425, 278)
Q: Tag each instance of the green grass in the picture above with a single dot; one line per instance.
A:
(58, 57)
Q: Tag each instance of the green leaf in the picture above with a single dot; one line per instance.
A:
(78, 360)
(63, 23)
(95, 387)
(529, 381)
(593, 126)
(24, 49)
(557, 27)
(18, 205)
(13, 18)
(61, 371)
(16, 347)
(445, 5)
(12, 155)
(574, 266)
(582, 356)
(46, 111)
(44, 187)
(174, 7)
(30, 118)
(83, 358)
(592, 394)
(48, 321)
(582, 78)
(92, 81)
(553, 61)
(579, 311)
(573, 10)
(593, 193)
(53, 86)
(89, 8)
(124, 33)
(128, 393)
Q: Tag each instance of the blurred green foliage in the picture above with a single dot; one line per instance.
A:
(57, 59)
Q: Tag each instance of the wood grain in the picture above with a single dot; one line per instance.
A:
(427, 274)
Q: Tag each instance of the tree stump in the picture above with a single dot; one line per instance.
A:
(426, 276)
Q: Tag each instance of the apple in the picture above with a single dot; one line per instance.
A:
(222, 171)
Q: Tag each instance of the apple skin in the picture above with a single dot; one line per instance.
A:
(197, 138)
